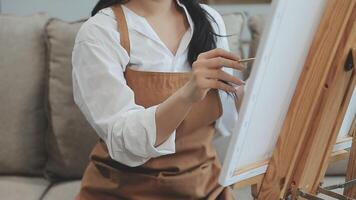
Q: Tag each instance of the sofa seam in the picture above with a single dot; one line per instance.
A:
(46, 191)
(47, 108)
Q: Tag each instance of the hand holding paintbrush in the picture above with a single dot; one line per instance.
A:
(239, 93)
(242, 61)
(208, 73)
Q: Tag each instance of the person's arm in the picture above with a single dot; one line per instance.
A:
(226, 123)
(101, 92)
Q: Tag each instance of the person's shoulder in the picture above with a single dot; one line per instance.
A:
(219, 22)
(101, 25)
(211, 11)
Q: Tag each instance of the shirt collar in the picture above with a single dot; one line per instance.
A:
(190, 20)
(139, 24)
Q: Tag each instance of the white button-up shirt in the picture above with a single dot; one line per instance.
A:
(101, 92)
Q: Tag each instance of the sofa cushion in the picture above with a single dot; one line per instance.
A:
(256, 25)
(234, 23)
(337, 168)
(61, 191)
(20, 188)
(71, 138)
(22, 71)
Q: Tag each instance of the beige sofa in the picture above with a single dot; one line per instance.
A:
(45, 139)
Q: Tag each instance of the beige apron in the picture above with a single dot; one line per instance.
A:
(191, 173)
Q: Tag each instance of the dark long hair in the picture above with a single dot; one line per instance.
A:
(204, 37)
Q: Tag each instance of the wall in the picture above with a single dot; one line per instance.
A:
(74, 10)
(65, 9)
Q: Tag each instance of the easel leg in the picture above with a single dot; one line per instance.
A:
(351, 169)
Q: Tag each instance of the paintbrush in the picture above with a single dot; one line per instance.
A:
(246, 60)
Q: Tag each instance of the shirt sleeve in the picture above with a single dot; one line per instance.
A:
(226, 124)
(101, 93)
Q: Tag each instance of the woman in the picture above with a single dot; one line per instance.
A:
(153, 79)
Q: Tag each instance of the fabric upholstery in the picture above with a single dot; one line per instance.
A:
(338, 168)
(71, 138)
(62, 191)
(20, 188)
(22, 71)
(256, 24)
(234, 23)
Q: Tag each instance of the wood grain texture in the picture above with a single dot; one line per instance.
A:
(351, 168)
(309, 101)
(335, 100)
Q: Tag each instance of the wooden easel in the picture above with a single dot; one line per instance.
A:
(315, 115)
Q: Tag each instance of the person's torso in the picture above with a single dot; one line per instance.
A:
(194, 136)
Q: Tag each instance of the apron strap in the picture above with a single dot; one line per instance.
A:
(122, 26)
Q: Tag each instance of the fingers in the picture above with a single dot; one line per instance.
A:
(216, 79)
(223, 76)
(209, 74)
(218, 53)
(216, 84)
(219, 62)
